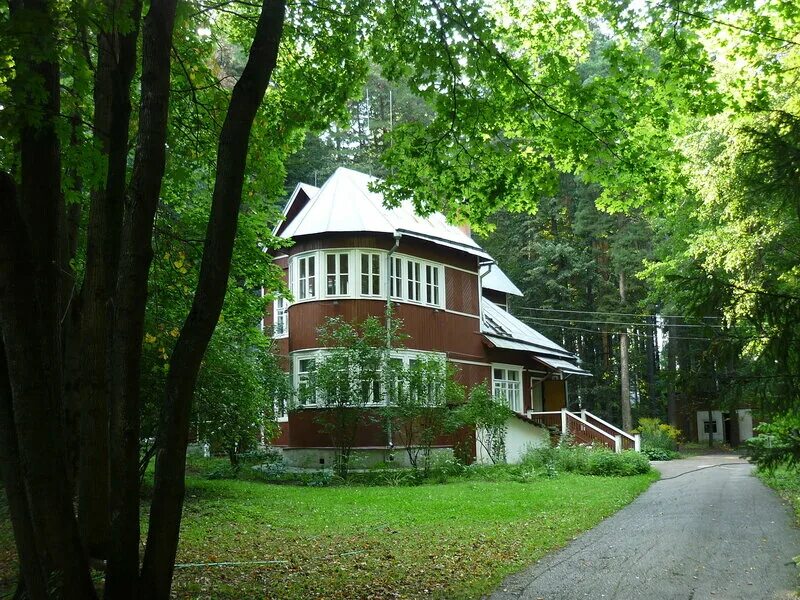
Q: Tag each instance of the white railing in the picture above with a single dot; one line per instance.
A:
(635, 439)
(587, 432)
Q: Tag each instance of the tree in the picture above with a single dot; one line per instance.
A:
(45, 324)
(422, 401)
(345, 379)
(489, 417)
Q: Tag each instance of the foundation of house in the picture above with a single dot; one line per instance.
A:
(360, 458)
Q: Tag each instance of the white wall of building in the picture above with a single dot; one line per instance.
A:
(745, 424)
(716, 416)
(520, 437)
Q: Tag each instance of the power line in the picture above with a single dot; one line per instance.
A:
(637, 324)
(618, 314)
(597, 331)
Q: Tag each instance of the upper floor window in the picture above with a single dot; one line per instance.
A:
(432, 284)
(357, 273)
(280, 327)
(414, 280)
(507, 385)
(337, 273)
(304, 366)
(306, 277)
(397, 277)
(370, 274)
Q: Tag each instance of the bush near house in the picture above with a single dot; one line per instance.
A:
(659, 440)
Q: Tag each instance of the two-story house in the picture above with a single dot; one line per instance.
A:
(351, 255)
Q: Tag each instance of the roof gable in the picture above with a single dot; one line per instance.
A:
(345, 203)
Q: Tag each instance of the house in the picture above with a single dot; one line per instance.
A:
(351, 255)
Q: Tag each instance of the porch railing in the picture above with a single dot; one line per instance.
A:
(587, 428)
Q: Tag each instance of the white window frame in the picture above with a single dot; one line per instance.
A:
(433, 289)
(280, 311)
(373, 259)
(297, 358)
(339, 276)
(427, 277)
(311, 280)
(504, 386)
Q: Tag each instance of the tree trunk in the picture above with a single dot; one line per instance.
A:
(32, 250)
(32, 573)
(650, 350)
(624, 374)
(131, 297)
(116, 64)
(168, 493)
(672, 400)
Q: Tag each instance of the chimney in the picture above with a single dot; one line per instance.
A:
(465, 229)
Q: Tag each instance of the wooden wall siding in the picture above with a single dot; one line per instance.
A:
(307, 430)
(496, 297)
(282, 436)
(408, 245)
(428, 329)
(471, 375)
(299, 204)
(462, 291)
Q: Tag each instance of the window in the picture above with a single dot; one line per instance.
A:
(709, 427)
(280, 312)
(359, 273)
(397, 277)
(507, 384)
(370, 274)
(306, 277)
(303, 369)
(413, 280)
(432, 284)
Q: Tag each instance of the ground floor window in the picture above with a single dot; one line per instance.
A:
(507, 384)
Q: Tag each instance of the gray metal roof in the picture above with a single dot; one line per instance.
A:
(503, 330)
(493, 278)
(345, 203)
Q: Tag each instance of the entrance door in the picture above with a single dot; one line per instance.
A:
(554, 397)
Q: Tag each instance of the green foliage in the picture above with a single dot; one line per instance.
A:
(489, 417)
(347, 377)
(420, 404)
(659, 440)
(777, 444)
(587, 461)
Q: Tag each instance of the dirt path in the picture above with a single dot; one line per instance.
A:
(707, 530)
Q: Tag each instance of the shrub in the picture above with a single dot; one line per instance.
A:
(489, 417)
(659, 440)
(654, 453)
(777, 443)
(586, 461)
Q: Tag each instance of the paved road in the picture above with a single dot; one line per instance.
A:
(707, 530)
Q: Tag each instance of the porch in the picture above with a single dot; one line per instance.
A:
(586, 428)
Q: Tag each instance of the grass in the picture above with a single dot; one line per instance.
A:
(455, 540)
(787, 483)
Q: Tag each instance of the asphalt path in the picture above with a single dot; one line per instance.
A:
(708, 529)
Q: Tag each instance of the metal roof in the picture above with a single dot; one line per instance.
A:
(502, 330)
(493, 278)
(563, 365)
(345, 203)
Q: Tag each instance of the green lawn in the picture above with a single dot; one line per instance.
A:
(455, 540)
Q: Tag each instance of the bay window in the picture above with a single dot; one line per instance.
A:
(337, 273)
(280, 312)
(306, 277)
(370, 274)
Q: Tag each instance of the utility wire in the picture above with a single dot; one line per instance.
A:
(599, 312)
(636, 324)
